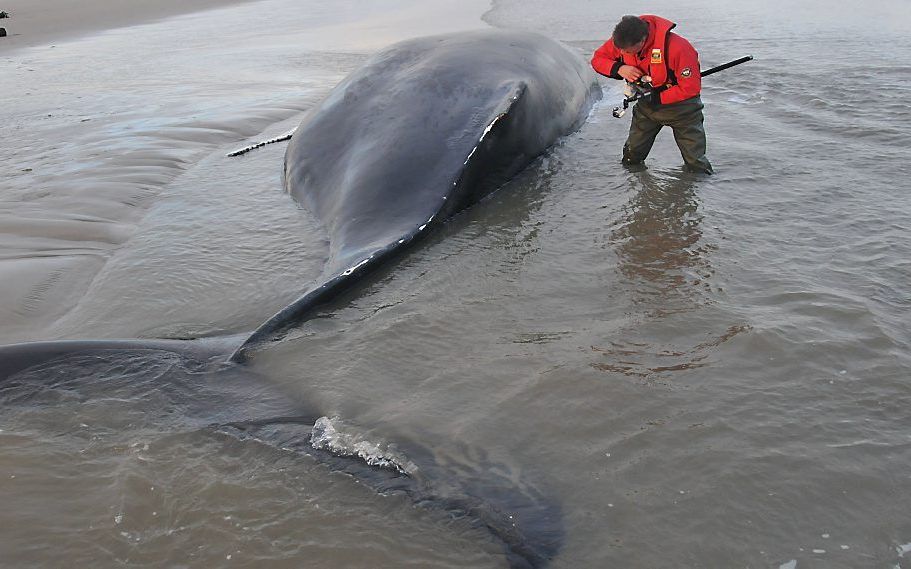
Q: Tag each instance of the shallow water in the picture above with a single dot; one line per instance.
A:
(691, 372)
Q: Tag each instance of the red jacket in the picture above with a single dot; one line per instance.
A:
(667, 57)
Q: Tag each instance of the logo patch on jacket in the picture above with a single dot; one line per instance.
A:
(656, 55)
(686, 72)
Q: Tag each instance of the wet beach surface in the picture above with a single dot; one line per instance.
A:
(695, 372)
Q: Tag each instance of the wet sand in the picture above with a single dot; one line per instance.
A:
(694, 372)
(33, 23)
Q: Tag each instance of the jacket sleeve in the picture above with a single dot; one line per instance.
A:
(607, 60)
(683, 61)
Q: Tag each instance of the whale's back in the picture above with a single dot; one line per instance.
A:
(386, 150)
(423, 130)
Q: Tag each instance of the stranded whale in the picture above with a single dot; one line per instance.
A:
(423, 130)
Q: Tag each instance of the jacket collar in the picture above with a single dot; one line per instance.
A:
(658, 28)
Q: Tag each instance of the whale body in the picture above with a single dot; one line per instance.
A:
(423, 130)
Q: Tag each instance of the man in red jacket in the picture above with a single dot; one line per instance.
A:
(644, 46)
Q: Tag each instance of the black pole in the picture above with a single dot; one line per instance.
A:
(724, 66)
(618, 112)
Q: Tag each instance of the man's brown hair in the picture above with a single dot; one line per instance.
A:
(630, 31)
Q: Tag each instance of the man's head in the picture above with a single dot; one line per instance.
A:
(630, 34)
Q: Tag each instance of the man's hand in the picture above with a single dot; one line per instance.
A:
(652, 98)
(630, 73)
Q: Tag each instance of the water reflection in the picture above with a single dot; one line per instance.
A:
(665, 269)
(659, 243)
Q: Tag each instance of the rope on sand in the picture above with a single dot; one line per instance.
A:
(246, 149)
